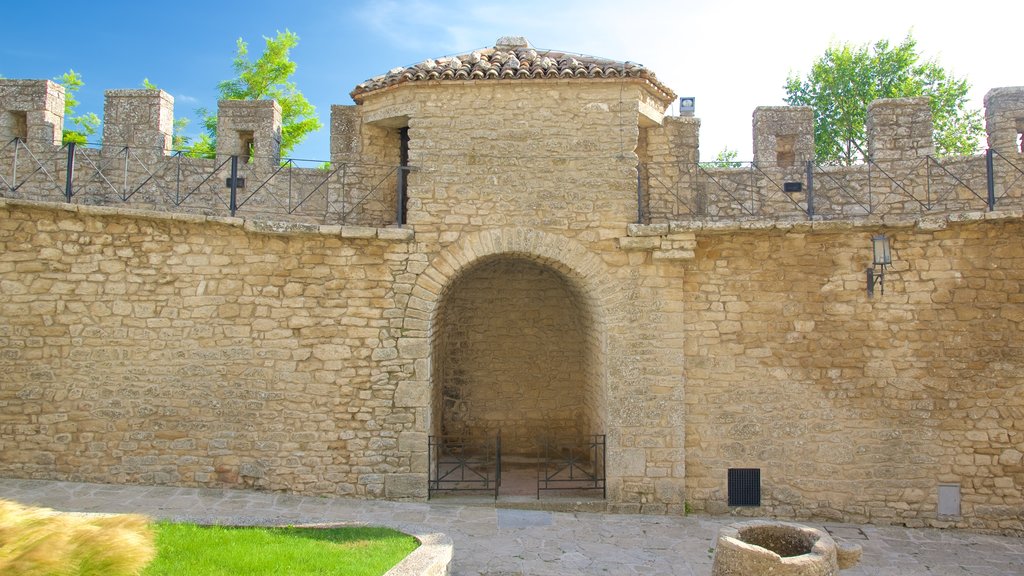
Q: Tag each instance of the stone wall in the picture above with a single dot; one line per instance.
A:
(134, 169)
(902, 178)
(479, 168)
(856, 409)
(188, 348)
(193, 351)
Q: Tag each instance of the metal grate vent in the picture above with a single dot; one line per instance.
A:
(744, 486)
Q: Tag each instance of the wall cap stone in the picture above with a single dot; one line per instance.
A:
(935, 222)
(256, 226)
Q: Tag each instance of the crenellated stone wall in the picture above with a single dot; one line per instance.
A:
(558, 263)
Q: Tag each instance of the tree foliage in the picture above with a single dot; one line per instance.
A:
(726, 158)
(847, 78)
(86, 123)
(266, 78)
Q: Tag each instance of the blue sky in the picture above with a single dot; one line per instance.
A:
(731, 55)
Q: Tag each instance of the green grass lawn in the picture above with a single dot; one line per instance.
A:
(190, 550)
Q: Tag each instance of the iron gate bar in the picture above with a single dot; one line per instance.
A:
(212, 173)
(789, 197)
(265, 183)
(367, 195)
(69, 174)
(810, 189)
(724, 189)
(400, 194)
(97, 170)
(581, 451)
(13, 185)
(669, 188)
(908, 193)
(1006, 190)
(152, 174)
(843, 191)
(447, 468)
(959, 180)
(990, 180)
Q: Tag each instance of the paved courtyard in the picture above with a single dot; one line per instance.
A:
(519, 542)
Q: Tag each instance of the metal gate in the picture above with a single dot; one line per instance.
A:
(463, 464)
(572, 464)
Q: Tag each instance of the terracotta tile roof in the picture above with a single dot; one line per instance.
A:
(512, 58)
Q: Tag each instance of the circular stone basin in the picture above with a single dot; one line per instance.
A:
(776, 548)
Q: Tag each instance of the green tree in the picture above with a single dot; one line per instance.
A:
(268, 77)
(726, 158)
(847, 78)
(88, 122)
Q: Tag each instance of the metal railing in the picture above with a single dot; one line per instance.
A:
(572, 464)
(464, 463)
(351, 193)
(812, 191)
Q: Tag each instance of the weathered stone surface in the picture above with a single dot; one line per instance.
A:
(405, 486)
(764, 547)
(315, 348)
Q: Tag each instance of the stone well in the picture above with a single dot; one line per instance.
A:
(777, 548)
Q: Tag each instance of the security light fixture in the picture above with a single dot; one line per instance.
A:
(881, 257)
(687, 105)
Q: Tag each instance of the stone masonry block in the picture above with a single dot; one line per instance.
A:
(899, 129)
(250, 129)
(32, 110)
(138, 119)
(783, 135)
(400, 486)
(1004, 119)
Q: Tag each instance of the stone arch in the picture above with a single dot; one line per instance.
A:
(584, 276)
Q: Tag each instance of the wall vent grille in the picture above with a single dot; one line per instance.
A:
(744, 486)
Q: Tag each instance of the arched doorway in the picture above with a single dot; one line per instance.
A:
(517, 351)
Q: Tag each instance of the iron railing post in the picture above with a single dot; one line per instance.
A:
(400, 195)
(14, 166)
(233, 203)
(990, 179)
(639, 194)
(124, 191)
(497, 464)
(810, 189)
(69, 175)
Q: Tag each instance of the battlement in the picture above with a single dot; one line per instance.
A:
(32, 110)
(397, 128)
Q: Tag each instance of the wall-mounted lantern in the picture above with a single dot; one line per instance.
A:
(881, 257)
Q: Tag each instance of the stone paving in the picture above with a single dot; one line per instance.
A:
(506, 542)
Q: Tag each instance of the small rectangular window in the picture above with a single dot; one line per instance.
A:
(785, 150)
(246, 145)
(19, 125)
